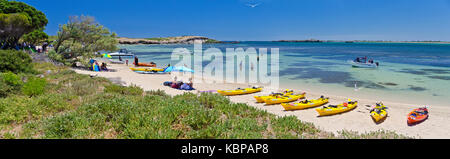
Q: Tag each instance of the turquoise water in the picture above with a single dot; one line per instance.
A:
(411, 73)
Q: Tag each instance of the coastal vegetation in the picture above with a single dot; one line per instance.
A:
(81, 38)
(15, 61)
(35, 37)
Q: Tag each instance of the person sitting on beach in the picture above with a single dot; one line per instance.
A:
(190, 83)
(186, 86)
(103, 67)
(96, 67)
(174, 83)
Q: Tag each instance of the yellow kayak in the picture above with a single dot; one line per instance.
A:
(147, 69)
(284, 99)
(261, 99)
(239, 91)
(337, 109)
(305, 104)
(379, 113)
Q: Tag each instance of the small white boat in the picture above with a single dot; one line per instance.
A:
(121, 52)
(364, 65)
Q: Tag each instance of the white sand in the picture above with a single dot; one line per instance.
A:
(437, 126)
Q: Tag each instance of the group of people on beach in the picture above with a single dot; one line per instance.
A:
(96, 67)
(180, 84)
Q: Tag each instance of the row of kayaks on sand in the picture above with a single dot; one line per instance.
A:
(378, 112)
(152, 70)
(287, 100)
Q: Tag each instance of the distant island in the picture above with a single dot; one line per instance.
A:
(363, 41)
(166, 40)
(302, 41)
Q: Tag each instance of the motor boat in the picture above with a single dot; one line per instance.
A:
(364, 64)
(122, 52)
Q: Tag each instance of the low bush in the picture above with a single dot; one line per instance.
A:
(9, 83)
(34, 86)
(15, 61)
(131, 90)
(55, 56)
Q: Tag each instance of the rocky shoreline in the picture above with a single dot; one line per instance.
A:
(170, 40)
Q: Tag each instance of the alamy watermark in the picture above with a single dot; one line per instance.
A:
(237, 65)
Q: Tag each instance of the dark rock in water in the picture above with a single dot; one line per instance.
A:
(360, 84)
(437, 71)
(309, 63)
(440, 77)
(415, 88)
(412, 71)
(388, 84)
(324, 76)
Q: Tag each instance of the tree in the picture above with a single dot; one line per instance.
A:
(12, 27)
(17, 19)
(82, 37)
(35, 37)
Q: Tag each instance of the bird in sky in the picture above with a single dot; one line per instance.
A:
(253, 5)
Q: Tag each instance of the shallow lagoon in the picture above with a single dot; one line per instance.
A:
(408, 73)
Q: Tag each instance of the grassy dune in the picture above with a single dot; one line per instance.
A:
(79, 106)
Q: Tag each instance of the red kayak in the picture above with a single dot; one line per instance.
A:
(417, 116)
(151, 64)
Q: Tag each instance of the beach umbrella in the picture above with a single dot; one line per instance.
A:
(106, 55)
(178, 69)
(168, 69)
(182, 69)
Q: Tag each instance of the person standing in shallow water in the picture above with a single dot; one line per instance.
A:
(136, 61)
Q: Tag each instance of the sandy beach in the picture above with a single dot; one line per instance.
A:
(437, 126)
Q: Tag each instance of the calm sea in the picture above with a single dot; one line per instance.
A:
(409, 73)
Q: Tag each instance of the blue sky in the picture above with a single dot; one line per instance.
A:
(270, 20)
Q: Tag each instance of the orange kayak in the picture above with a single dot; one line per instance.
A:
(417, 116)
(146, 64)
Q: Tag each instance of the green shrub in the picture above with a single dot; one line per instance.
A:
(12, 80)
(34, 86)
(157, 93)
(131, 90)
(4, 89)
(15, 61)
(9, 83)
(57, 57)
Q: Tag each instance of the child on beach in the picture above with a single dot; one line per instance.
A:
(103, 67)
